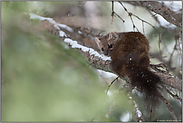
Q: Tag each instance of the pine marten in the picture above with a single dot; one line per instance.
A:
(129, 52)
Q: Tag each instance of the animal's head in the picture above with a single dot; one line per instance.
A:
(107, 42)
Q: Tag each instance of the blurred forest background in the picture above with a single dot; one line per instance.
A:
(42, 80)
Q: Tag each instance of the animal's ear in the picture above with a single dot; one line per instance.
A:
(97, 42)
(113, 36)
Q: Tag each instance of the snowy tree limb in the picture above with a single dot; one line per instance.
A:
(97, 61)
(161, 9)
(83, 41)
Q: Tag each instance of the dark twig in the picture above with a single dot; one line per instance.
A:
(114, 13)
(111, 84)
(169, 108)
(159, 8)
(130, 14)
(143, 27)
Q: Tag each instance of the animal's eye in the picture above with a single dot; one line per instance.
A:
(102, 49)
(110, 46)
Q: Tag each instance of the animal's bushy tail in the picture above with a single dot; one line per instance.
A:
(146, 82)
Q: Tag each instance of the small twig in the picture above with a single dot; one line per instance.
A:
(143, 27)
(111, 84)
(145, 22)
(119, 17)
(114, 13)
(169, 107)
(171, 55)
(159, 46)
(130, 14)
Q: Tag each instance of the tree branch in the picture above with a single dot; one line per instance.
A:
(85, 39)
(161, 9)
(169, 108)
(97, 61)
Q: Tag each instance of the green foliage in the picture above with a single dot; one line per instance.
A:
(42, 80)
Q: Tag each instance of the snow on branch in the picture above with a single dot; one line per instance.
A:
(70, 36)
(160, 8)
(85, 44)
(97, 60)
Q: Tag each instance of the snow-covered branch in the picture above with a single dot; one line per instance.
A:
(172, 16)
(88, 50)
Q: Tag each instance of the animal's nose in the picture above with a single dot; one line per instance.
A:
(106, 54)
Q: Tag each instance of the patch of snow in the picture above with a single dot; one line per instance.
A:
(35, 16)
(56, 27)
(105, 74)
(173, 5)
(79, 32)
(62, 34)
(163, 22)
(125, 118)
(74, 44)
(139, 113)
(109, 93)
(65, 27)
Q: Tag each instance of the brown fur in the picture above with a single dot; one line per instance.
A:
(130, 59)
